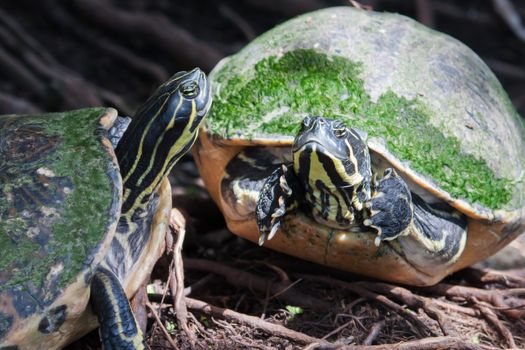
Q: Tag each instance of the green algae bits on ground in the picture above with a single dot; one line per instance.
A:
(424, 95)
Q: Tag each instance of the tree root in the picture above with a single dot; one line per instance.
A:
(508, 13)
(506, 300)
(362, 290)
(34, 68)
(177, 226)
(154, 29)
(57, 14)
(432, 343)
(487, 276)
(14, 104)
(252, 321)
(161, 325)
(248, 280)
(485, 304)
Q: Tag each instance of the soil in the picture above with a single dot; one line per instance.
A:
(59, 55)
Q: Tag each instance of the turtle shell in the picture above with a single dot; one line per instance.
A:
(60, 198)
(430, 107)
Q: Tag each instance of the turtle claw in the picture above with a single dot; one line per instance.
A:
(275, 200)
(262, 239)
(379, 237)
(274, 230)
(276, 220)
(377, 241)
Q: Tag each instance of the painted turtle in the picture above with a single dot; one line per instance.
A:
(408, 159)
(84, 205)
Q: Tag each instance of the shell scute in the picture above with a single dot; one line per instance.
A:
(60, 197)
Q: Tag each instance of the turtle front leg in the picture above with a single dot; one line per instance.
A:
(278, 196)
(118, 327)
(390, 208)
(428, 235)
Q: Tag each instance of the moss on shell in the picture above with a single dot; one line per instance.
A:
(82, 165)
(280, 91)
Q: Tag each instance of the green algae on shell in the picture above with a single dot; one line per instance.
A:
(59, 195)
(430, 99)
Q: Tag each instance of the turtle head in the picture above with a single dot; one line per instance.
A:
(330, 152)
(178, 104)
(189, 89)
(163, 130)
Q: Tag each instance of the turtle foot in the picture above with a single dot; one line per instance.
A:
(275, 200)
(390, 209)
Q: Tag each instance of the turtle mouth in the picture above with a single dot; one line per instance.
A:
(320, 147)
(308, 144)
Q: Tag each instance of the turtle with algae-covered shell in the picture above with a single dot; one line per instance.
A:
(367, 142)
(84, 207)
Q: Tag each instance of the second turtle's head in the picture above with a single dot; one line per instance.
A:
(328, 154)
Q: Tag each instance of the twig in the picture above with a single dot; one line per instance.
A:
(492, 318)
(161, 325)
(177, 226)
(23, 39)
(414, 301)
(251, 321)
(338, 329)
(374, 332)
(48, 75)
(421, 328)
(248, 280)
(19, 73)
(508, 12)
(487, 276)
(457, 308)
(455, 12)
(360, 6)
(433, 343)
(198, 285)
(283, 276)
(494, 297)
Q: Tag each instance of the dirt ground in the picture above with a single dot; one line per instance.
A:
(59, 55)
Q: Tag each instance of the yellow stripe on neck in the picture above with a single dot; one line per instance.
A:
(186, 138)
(142, 138)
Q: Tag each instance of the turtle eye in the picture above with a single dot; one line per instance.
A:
(340, 132)
(190, 89)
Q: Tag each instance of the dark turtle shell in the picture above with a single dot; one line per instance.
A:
(60, 197)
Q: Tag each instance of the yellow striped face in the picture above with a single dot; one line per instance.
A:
(332, 163)
(161, 132)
